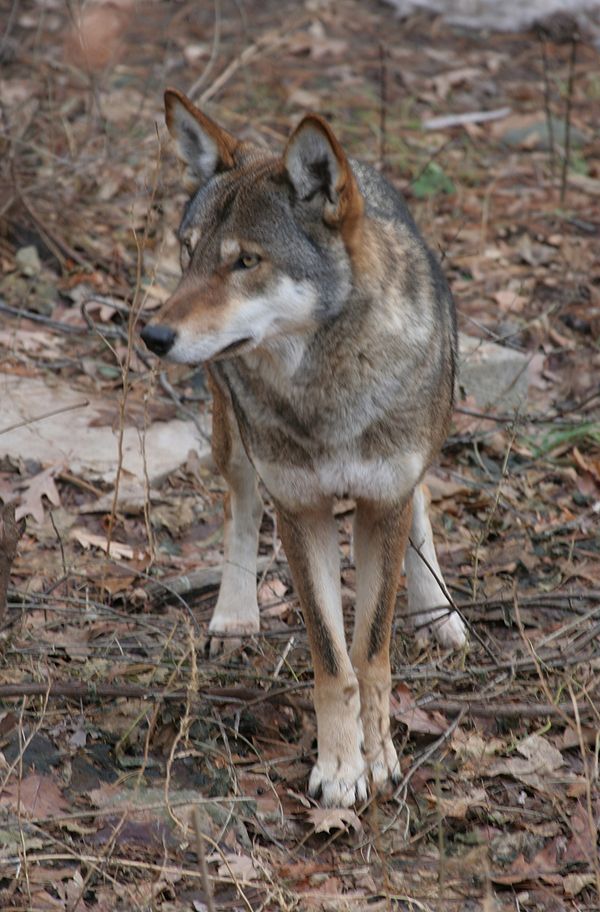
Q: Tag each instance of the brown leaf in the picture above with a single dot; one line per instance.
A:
(117, 549)
(326, 819)
(539, 767)
(241, 867)
(458, 806)
(35, 796)
(404, 709)
(575, 883)
(41, 485)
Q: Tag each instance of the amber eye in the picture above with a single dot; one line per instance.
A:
(247, 261)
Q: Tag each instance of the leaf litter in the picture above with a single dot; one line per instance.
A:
(498, 801)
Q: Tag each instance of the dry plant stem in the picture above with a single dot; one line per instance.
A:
(547, 107)
(267, 42)
(134, 313)
(200, 851)
(214, 50)
(486, 529)
(567, 155)
(10, 533)
(65, 408)
(453, 604)
(594, 862)
(120, 861)
(98, 869)
(425, 756)
(382, 107)
(184, 725)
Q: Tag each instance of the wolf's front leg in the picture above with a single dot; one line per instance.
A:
(428, 607)
(236, 611)
(380, 536)
(310, 542)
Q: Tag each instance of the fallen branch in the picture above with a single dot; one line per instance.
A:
(506, 710)
(252, 696)
(196, 582)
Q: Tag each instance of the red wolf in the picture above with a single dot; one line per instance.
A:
(328, 331)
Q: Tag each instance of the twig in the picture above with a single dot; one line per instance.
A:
(547, 109)
(65, 408)
(200, 851)
(451, 602)
(570, 84)
(269, 41)
(199, 82)
(382, 106)
(23, 314)
(506, 710)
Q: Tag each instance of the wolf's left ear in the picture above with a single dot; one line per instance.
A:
(201, 143)
(316, 164)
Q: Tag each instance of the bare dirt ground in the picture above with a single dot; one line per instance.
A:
(135, 772)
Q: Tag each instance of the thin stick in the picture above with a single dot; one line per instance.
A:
(382, 106)
(201, 852)
(570, 84)
(549, 121)
(452, 603)
(65, 408)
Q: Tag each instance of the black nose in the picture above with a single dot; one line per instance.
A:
(159, 339)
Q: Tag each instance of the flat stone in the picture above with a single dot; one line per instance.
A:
(494, 375)
(71, 440)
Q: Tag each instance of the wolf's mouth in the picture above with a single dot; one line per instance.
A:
(232, 349)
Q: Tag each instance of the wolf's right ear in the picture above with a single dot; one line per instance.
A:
(201, 143)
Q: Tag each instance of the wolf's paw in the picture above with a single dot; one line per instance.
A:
(338, 785)
(384, 765)
(226, 631)
(444, 625)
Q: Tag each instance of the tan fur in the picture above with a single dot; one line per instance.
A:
(330, 340)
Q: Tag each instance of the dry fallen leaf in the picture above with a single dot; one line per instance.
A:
(41, 485)
(459, 806)
(35, 796)
(539, 767)
(117, 549)
(404, 709)
(326, 819)
(575, 883)
(241, 867)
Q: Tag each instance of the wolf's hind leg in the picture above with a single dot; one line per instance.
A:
(236, 611)
(380, 536)
(428, 608)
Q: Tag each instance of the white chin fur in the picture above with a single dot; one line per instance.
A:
(286, 309)
(188, 349)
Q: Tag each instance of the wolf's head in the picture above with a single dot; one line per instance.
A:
(266, 241)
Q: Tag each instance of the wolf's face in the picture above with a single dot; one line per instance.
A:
(265, 241)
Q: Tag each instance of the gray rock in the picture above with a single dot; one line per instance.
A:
(495, 376)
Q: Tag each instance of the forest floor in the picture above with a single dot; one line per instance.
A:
(137, 773)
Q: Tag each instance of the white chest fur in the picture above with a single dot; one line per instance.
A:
(345, 475)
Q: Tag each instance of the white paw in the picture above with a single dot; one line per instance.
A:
(339, 785)
(227, 628)
(445, 625)
(384, 765)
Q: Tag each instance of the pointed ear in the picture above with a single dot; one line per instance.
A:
(316, 164)
(201, 144)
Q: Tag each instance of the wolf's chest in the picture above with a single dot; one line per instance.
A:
(342, 474)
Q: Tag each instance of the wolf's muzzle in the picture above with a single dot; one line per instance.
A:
(159, 339)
